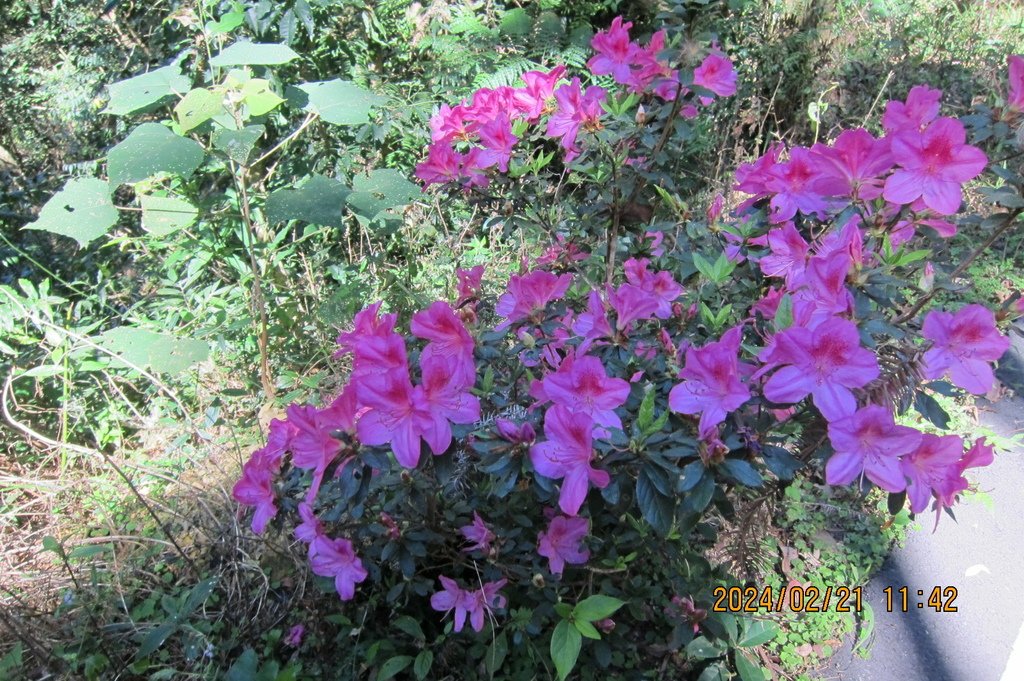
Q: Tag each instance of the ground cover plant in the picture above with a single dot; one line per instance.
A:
(606, 390)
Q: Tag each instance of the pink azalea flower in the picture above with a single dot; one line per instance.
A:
(869, 442)
(789, 253)
(313, 446)
(825, 363)
(529, 294)
(929, 466)
(443, 165)
(488, 103)
(920, 109)
(562, 251)
(470, 284)
(593, 324)
(255, 488)
(522, 433)
(754, 178)
(853, 165)
(471, 173)
(474, 604)
(310, 528)
(978, 456)
(478, 533)
(615, 53)
(448, 338)
(631, 303)
(1016, 99)
(768, 306)
(717, 74)
(657, 250)
(563, 543)
(933, 166)
(337, 558)
(390, 418)
(711, 383)
(278, 442)
(824, 292)
(795, 184)
(537, 98)
(652, 70)
(715, 209)
(566, 455)
(442, 399)
(963, 345)
(576, 109)
(368, 322)
(582, 386)
(451, 123)
(661, 285)
(498, 142)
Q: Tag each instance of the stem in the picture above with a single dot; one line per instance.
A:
(257, 285)
(962, 267)
(613, 233)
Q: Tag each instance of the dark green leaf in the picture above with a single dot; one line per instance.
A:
(596, 607)
(657, 510)
(410, 626)
(758, 632)
(338, 102)
(152, 148)
(703, 649)
(319, 201)
(382, 190)
(929, 407)
(146, 90)
(244, 668)
(163, 215)
(714, 672)
(155, 638)
(496, 654)
(396, 664)
(747, 668)
(421, 667)
(780, 462)
(566, 642)
(896, 501)
(742, 472)
(159, 352)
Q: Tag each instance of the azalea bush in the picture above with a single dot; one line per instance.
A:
(535, 473)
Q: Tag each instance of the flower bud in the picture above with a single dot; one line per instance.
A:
(927, 281)
(641, 115)
(528, 340)
(538, 580)
(607, 625)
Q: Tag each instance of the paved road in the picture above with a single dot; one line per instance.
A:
(982, 555)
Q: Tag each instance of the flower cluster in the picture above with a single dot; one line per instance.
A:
(482, 132)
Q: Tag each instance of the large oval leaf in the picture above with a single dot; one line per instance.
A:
(81, 210)
(150, 149)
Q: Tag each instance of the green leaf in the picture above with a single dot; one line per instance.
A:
(244, 668)
(51, 544)
(143, 91)
(742, 472)
(780, 462)
(337, 101)
(396, 664)
(258, 96)
(155, 638)
(657, 509)
(496, 654)
(227, 23)
(42, 371)
(197, 107)
(421, 667)
(516, 22)
(596, 607)
(784, 313)
(409, 626)
(160, 352)
(714, 672)
(758, 632)
(929, 407)
(703, 649)
(152, 148)
(587, 629)
(197, 595)
(254, 54)
(89, 550)
(81, 210)
(645, 416)
(747, 668)
(566, 642)
(693, 473)
(320, 201)
(703, 266)
(380, 191)
(238, 144)
(163, 215)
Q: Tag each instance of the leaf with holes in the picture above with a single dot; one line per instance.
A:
(381, 191)
(163, 215)
(152, 148)
(197, 107)
(238, 144)
(337, 101)
(81, 210)
(320, 201)
(159, 352)
(254, 54)
(146, 90)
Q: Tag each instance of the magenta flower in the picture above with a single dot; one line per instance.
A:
(313, 445)
(920, 109)
(563, 543)
(310, 528)
(853, 165)
(653, 71)
(582, 386)
(711, 383)
(294, 637)
(498, 141)
(789, 254)
(1016, 99)
(478, 533)
(566, 455)
(522, 433)
(934, 165)
(337, 558)
(368, 322)
(593, 324)
(824, 291)
(254, 488)
(930, 466)
(576, 109)
(963, 345)
(448, 338)
(869, 442)
(631, 303)
(537, 98)
(451, 123)
(442, 399)
(717, 74)
(661, 285)
(615, 53)
(529, 294)
(443, 165)
(470, 284)
(825, 363)
(978, 456)
(474, 604)
(795, 184)
(390, 418)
